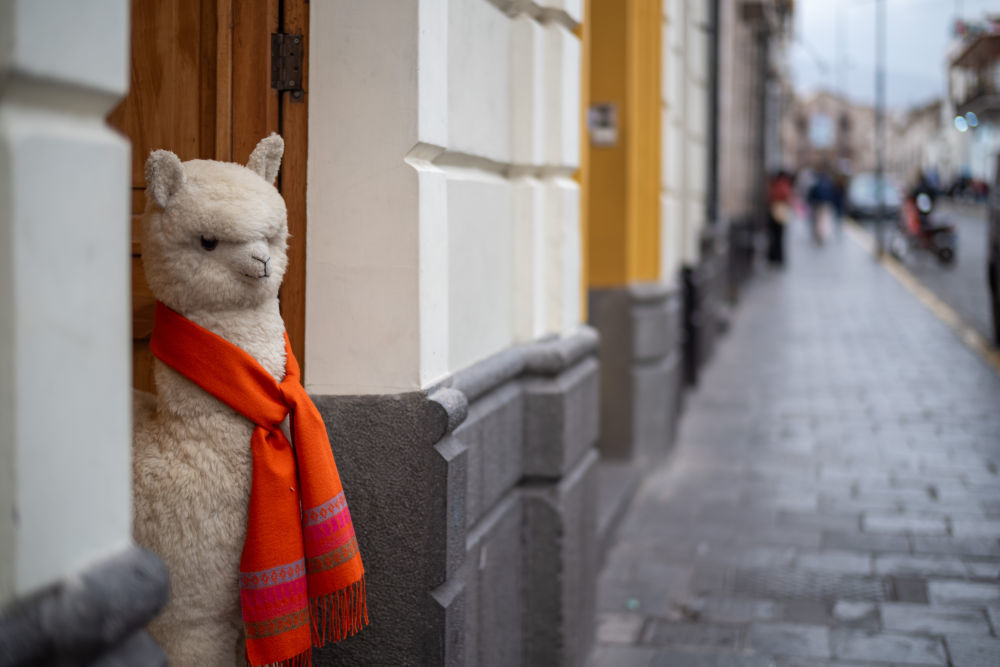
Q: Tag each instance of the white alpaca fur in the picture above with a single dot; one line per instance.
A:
(191, 460)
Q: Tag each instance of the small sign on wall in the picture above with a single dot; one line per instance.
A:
(602, 122)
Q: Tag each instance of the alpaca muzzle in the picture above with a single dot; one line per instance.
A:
(263, 267)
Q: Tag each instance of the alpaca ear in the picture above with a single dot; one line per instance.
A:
(164, 176)
(266, 157)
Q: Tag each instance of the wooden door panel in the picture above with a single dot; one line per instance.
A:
(294, 128)
(172, 101)
(255, 103)
(179, 100)
(201, 87)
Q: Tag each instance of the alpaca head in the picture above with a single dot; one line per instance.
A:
(214, 234)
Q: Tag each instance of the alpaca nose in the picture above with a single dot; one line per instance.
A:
(265, 268)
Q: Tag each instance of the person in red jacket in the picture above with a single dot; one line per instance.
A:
(779, 200)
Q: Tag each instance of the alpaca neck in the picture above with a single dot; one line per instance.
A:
(258, 331)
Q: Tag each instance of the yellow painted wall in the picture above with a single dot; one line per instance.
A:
(621, 188)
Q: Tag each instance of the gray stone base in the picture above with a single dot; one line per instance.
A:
(706, 295)
(474, 506)
(641, 389)
(640, 329)
(560, 565)
(95, 617)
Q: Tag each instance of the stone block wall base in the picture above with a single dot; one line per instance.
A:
(475, 511)
(561, 566)
(640, 356)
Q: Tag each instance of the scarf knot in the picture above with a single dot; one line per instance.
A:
(301, 576)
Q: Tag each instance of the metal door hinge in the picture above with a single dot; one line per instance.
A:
(286, 63)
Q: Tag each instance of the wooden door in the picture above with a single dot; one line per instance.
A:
(201, 87)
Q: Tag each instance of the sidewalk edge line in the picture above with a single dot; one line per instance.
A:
(965, 333)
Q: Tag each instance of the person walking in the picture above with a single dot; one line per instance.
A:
(822, 199)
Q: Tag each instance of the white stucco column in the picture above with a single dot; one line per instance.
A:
(443, 222)
(65, 344)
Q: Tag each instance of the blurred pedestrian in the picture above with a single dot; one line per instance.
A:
(822, 198)
(839, 200)
(779, 200)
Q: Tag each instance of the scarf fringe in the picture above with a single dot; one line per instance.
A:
(303, 659)
(339, 614)
(334, 617)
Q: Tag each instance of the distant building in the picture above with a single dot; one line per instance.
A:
(916, 140)
(974, 94)
(825, 130)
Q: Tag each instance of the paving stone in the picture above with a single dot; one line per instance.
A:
(970, 651)
(903, 525)
(958, 546)
(932, 619)
(812, 662)
(885, 647)
(975, 528)
(925, 565)
(846, 562)
(807, 611)
(752, 556)
(962, 592)
(820, 521)
(993, 612)
(605, 655)
(796, 584)
(865, 541)
(790, 639)
(983, 569)
(695, 658)
(856, 614)
(652, 596)
(701, 635)
(728, 610)
(619, 627)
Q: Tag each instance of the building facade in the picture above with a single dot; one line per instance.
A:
(826, 130)
(497, 305)
(974, 96)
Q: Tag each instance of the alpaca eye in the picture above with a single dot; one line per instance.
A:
(209, 244)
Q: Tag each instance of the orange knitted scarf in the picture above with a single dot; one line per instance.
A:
(301, 579)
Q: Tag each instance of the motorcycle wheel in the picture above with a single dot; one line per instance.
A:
(946, 255)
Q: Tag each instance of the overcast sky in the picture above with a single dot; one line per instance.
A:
(834, 46)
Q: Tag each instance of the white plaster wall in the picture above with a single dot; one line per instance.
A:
(65, 377)
(696, 124)
(673, 168)
(530, 267)
(443, 226)
(563, 302)
(373, 92)
(685, 130)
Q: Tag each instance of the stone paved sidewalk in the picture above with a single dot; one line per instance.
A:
(833, 498)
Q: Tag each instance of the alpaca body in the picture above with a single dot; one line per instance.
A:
(191, 494)
(213, 242)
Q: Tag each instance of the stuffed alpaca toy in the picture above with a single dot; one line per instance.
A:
(241, 502)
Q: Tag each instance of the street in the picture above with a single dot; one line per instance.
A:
(833, 496)
(962, 285)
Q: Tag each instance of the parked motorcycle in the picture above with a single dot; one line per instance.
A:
(918, 230)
